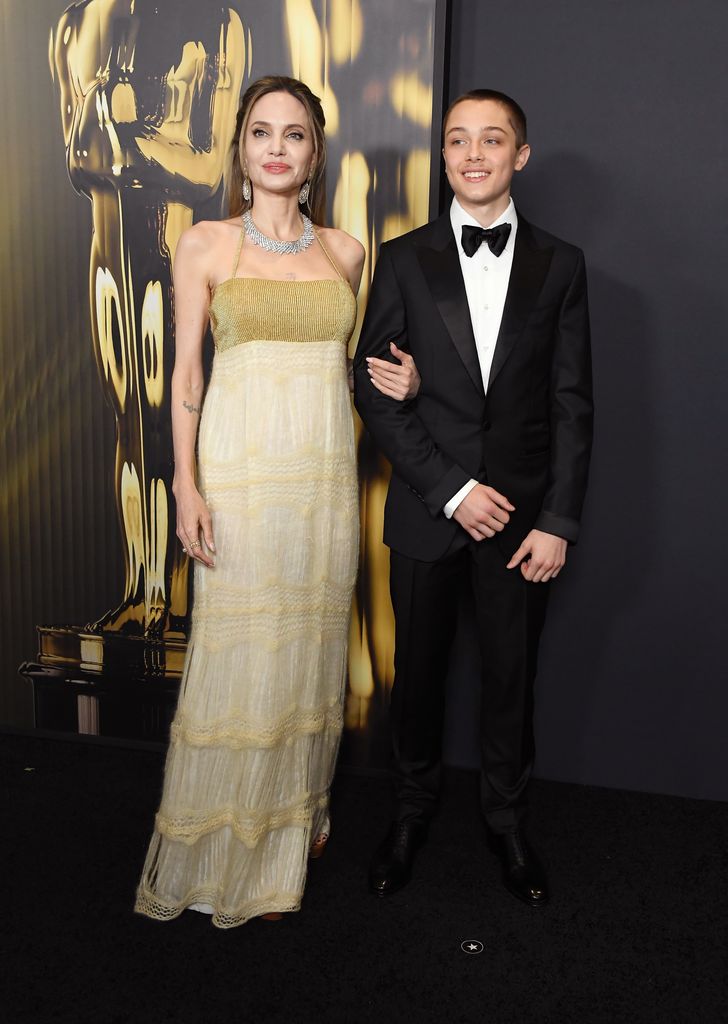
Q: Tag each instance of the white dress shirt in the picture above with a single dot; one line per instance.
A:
(486, 278)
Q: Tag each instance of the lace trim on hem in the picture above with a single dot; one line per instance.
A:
(306, 460)
(248, 827)
(241, 732)
(162, 910)
(215, 634)
(337, 606)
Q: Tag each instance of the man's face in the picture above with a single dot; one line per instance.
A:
(481, 155)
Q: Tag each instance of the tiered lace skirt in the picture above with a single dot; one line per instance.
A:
(256, 733)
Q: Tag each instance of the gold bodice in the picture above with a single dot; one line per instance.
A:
(245, 309)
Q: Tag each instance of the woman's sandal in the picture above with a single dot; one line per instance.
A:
(318, 845)
(274, 915)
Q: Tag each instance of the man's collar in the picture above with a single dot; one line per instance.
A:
(459, 216)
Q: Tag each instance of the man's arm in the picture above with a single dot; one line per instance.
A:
(572, 414)
(543, 552)
(395, 426)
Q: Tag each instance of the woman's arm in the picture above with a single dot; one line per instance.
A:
(191, 300)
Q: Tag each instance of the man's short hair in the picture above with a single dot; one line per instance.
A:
(516, 117)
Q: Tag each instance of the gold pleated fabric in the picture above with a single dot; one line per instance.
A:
(256, 733)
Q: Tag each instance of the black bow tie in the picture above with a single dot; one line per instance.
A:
(473, 237)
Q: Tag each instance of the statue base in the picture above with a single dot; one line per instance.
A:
(106, 683)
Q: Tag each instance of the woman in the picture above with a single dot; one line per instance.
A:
(270, 516)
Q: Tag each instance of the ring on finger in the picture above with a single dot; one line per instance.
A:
(195, 544)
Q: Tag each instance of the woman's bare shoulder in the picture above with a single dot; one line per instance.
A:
(207, 234)
(348, 251)
(202, 245)
(342, 243)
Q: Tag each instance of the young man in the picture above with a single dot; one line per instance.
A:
(489, 463)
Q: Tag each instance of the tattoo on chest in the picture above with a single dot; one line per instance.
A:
(290, 277)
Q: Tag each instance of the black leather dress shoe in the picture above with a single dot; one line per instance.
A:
(523, 876)
(391, 866)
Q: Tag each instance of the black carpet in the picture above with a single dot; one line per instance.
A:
(636, 932)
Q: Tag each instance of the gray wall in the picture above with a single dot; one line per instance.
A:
(629, 162)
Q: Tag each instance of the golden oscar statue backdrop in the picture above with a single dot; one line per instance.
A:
(117, 119)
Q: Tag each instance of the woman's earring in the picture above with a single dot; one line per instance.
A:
(303, 194)
(247, 191)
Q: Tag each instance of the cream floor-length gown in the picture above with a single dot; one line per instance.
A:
(257, 728)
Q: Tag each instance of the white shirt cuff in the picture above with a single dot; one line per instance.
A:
(457, 498)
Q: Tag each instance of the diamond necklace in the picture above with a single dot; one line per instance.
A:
(277, 245)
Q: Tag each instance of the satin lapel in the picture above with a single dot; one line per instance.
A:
(440, 264)
(528, 272)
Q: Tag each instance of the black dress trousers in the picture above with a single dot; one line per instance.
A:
(509, 615)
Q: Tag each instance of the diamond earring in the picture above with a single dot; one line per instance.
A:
(303, 194)
(247, 191)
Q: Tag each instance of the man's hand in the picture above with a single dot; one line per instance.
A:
(398, 381)
(541, 557)
(483, 512)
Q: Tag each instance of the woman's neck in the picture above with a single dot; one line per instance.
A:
(277, 216)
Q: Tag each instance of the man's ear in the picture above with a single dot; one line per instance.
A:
(522, 157)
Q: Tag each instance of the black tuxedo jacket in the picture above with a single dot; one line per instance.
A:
(529, 437)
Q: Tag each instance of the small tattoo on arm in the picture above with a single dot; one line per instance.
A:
(190, 407)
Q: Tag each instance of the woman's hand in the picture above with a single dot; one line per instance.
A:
(194, 524)
(397, 380)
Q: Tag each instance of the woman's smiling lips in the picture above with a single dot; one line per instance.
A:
(276, 168)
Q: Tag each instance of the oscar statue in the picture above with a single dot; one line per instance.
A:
(148, 95)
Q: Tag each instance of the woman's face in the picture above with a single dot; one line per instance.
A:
(278, 145)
